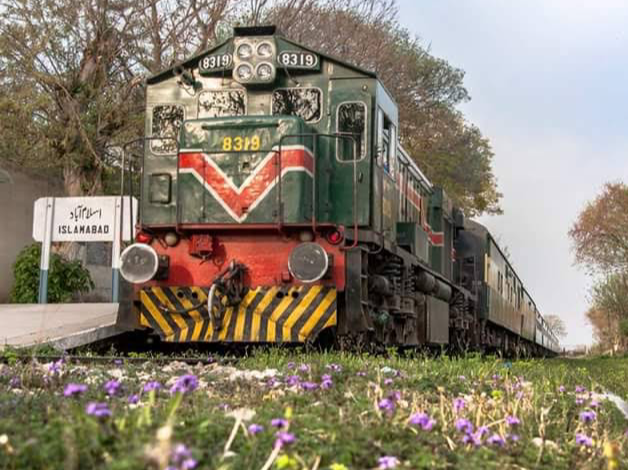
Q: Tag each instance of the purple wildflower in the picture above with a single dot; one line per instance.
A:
(394, 396)
(472, 438)
(326, 381)
(151, 386)
(279, 423)
(55, 367)
(255, 428)
(272, 382)
(72, 389)
(496, 377)
(513, 420)
(580, 389)
(16, 382)
(133, 399)
(293, 380)
(290, 365)
(185, 384)
(462, 378)
(387, 405)
(513, 437)
(481, 431)
(459, 404)
(464, 425)
(562, 389)
(387, 461)
(309, 386)
(579, 401)
(334, 367)
(584, 440)
(182, 458)
(361, 373)
(118, 362)
(284, 438)
(594, 404)
(423, 420)
(112, 387)
(388, 381)
(304, 368)
(587, 416)
(496, 439)
(99, 410)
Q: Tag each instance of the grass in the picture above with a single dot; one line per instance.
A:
(363, 414)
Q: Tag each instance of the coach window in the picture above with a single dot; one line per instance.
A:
(351, 122)
(386, 142)
(306, 103)
(166, 122)
(220, 103)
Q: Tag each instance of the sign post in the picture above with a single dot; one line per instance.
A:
(44, 263)
(83, 219)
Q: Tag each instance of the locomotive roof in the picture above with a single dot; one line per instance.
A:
(252, 31)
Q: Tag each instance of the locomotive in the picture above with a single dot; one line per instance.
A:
(277, 205)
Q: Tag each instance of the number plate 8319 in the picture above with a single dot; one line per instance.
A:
(241, 144)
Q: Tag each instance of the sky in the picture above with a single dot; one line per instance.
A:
(549, 86)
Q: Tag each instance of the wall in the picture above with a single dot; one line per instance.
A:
(18, 192)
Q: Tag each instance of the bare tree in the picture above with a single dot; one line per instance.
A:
(556, 324)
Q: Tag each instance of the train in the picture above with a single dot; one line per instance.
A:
(277, 205)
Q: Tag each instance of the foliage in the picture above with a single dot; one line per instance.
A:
(71, 75)
(452, 152)
(557, 325)
(600, 233)
(600, 241)
(532, 410)
(65, 278)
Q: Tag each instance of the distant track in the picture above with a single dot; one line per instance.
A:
(205, 360)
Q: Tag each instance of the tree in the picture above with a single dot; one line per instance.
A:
(71, 75)
(557, 325)
(600, 233)
(452, 152)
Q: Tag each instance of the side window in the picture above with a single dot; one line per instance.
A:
(351, 121)
(219, 103)
(166, 122)
(386, 142)
(307, 103)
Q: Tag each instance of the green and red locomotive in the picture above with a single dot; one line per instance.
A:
(277, 205)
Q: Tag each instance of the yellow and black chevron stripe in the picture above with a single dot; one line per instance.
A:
(265, 315)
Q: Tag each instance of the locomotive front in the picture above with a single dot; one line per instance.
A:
(238, 240)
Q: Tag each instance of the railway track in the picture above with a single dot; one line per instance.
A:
(87, 359)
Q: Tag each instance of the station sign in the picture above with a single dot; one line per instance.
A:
(84, 219)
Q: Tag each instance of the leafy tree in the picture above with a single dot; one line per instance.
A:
(452, 152)
(557, 325)
(600, 233)
(71, 74)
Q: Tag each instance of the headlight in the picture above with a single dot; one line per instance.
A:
(308, 262)
(264, 71)
(265, 50)
(244, 72)
(138, 263)
(244, 51)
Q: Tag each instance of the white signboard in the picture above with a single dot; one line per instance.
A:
(83, 219)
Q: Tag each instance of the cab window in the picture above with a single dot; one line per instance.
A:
(220, 103)
(351, 122)
(386, 143)
(166, 122)
(306, 103)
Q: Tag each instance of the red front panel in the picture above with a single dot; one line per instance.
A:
(264, 254)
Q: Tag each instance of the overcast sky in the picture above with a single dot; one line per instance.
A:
(549, 87)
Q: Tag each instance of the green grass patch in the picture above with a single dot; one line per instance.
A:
(335, 411)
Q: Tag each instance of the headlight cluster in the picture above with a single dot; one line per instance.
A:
(254, 61)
